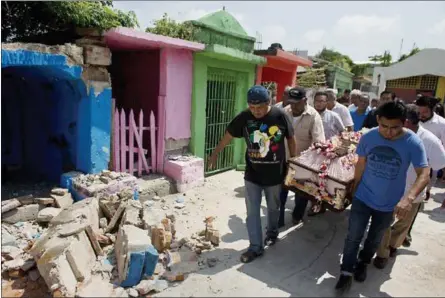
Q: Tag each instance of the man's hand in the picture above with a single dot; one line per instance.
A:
(211, 161)
(403, 207)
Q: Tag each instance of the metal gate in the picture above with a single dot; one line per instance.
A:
(220, 110)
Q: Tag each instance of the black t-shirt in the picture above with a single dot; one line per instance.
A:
(266, 152)
(371, 120)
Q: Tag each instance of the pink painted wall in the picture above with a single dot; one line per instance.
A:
(177, 65)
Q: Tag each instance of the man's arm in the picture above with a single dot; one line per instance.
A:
(226, 139)
(292, 145)
(317, 130)
(291, 142)
(347, 120)
(358, 173)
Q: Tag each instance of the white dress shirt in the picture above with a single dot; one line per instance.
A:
(344, 114)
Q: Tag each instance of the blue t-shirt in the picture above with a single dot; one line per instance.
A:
(358, 119)
(383, 182)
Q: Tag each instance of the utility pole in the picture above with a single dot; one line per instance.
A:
(401, 46)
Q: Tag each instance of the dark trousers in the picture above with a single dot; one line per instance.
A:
(300, 206)
(411, 227)
(358, 222)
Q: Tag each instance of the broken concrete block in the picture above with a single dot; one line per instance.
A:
(71, 228)
(116, 217)
(145, 286)
(93, 239)
(131, 246)
(47, 214)
(26, 200)
(66, 180)
(10, 205)
(10, 252)
(81, 256)
(34, 275)
(23, 213)
(183, 261)
(85, 211)
(151, 217)
(28, 265)
(133, 293)
(62, 201)
(96, 55)
(213, 236)
(44, 201)
(151, 260)
(132, 213)
(59, 191)
(103, 223)
(62, 278)
(8, 239)
(13, 264)
(119, 292)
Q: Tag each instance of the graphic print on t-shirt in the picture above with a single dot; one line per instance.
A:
(384, 162)
(262, 141)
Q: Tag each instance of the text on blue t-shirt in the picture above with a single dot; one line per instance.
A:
(387, 161)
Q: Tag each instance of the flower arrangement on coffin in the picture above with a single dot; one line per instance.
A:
(333, 158)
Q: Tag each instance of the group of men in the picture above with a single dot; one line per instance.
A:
(393, 168)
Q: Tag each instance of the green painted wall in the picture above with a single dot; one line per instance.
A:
(246, 79)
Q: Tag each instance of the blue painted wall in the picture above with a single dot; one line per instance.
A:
(82, 119)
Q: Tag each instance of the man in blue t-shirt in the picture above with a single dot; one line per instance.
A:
(384, 156)
(359, 115)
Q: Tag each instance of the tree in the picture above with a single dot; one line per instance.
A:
(169, 27)
(414, 51)
(43, 20)
(383, 60)
(336, 58)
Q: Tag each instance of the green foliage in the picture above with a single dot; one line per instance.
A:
(360, 69)
(169, 27)
(412, 52)
(383, 60)
(22, 21)
(312, 78)
(336, 58)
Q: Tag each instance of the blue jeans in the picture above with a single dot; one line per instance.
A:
(300, 206)
(253, 205)
(358, 222)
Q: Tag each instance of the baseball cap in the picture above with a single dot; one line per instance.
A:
(296, 94)
(257, 95)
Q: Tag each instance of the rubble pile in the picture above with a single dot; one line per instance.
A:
(108, 244)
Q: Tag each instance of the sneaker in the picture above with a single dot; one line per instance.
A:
(360, 272)
(269, 241)
(380, 263)
(344, 283)
(392, 252)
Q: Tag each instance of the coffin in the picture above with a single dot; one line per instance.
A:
(325, 172)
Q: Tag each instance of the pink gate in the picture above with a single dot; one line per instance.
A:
(133, 133)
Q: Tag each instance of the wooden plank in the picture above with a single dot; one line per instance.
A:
(141, 132)
(123, 142)
(153, 142)
(139, 143)
(131, 144)
(136, 150)
(116, 148)
(111, 165)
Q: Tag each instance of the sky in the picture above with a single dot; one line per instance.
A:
(358, 29)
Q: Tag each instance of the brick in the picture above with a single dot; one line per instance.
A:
(96, 55)
(47, 214)
(62, 201)
(132, 213)
(23, 213)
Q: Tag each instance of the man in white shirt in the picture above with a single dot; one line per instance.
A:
(434, 123)
(332, 123)
(355, 98)
(395, 235)
(340, 109)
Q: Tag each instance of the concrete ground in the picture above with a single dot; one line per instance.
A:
(305, 262)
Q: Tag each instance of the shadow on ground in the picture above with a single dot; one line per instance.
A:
(305, 262)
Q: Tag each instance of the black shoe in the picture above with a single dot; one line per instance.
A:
(360, 272)
(427, 196)
(380, 263)
(344, 283)
(269, 241)
(406, 242)
(392, 252)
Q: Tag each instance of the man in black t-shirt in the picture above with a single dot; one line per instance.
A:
(264, 129)
(371, 119)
